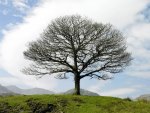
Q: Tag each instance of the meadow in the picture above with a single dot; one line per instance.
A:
(70, 104)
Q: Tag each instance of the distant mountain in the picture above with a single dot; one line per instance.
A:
(36, 91)
(82, 91)
(144, 97)
(5, 91)
(31, 91)
(14, 89)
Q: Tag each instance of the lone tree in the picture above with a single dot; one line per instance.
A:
(81, 47)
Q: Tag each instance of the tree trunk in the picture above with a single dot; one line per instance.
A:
(77, 84)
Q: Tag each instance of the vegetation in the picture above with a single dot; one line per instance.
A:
(81, 47)
(70, 104)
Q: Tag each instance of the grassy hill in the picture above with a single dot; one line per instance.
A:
(70, 104)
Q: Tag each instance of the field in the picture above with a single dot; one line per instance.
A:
(70, 104)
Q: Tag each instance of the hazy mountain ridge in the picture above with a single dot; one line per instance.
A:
(11, 90)
(83, 92)
(37, 91)
(5, 91)
(31, 91)
(144, 97)
(14, 89)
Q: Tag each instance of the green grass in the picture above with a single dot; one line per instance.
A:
(70, 104)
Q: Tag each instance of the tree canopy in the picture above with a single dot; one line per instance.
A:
(79, 46)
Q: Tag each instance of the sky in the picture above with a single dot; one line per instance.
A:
(22, 21)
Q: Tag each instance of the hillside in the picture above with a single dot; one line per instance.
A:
(14, 89)
(70, 104)
(4, 91)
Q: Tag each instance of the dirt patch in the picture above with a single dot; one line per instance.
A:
(62, 103)
(38, 107)
(5, 108)
(76, 99)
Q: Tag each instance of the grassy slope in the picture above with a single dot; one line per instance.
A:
(70, 104)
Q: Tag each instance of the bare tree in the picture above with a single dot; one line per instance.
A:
(81, 47)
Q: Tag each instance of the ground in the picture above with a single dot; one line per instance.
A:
(70, 104)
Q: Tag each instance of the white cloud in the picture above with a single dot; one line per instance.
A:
(120, 13)
(7, 80)
(139, 38)
(120, 92)
(29, 82)
(116, 92)
(20, 4)
(139, 35)
(144, 31)
(141, 74)
(4, 12)
(98, 87)
(18, 15)
(4, 2)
